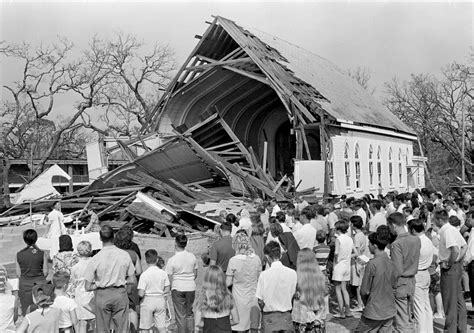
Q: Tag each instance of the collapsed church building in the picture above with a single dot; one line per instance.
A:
(248, 115)
(298, 112)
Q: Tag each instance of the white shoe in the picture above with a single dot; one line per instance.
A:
(438, 316)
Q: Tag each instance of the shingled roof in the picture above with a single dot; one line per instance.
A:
(337, 93)
(232, 67)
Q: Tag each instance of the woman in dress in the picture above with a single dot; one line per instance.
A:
(64, 260)
(8, 304)
(32, 267)
(83, 298)
(341, 275)
(309, 306)
(242, 274)
(244, 222)
(215, 311)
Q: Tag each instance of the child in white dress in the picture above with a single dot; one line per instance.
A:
(341, 275)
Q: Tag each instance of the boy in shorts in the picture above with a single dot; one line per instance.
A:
(153, 287)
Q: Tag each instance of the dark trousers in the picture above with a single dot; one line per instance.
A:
(183, 309)
(111, 305)
(368, 325)
(277, 322)
(404, 303)
(453, 299)
(470, 273)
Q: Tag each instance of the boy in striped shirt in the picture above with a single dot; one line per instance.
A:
(321, 250)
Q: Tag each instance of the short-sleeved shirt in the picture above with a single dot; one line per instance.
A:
(43, 320)
(332, 219)
(153, 281)
(321, 251)
(319, 223)
(361, 212)
(181, 268)
(376, 221)
(222, 251)
(65, 305)
(277, 278)
(360, 243)
(426, 253)
(378, 288)
(449, 236)
(110, 267)
(56, 224)
(305, 236)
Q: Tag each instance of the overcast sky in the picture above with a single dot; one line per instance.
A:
(392, 39)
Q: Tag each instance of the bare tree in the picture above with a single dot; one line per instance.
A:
(134, 85)
(48, 71)
(116, 82)
(434, 108)
(362, 75)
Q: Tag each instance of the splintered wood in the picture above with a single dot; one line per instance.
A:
(213, 209)
(153, 202)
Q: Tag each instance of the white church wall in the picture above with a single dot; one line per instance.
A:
(401, 157)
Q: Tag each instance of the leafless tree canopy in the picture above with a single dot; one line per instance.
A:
(116, 82)
(433, 107)
(134, 83)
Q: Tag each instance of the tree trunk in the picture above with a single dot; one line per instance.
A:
(6, 183)
(57, 136)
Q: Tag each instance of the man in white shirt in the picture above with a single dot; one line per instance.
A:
(275, 207)
(358, 210)
(469, 257)
(448, 205)
(306, 235)
(332, 218)
(318, 221)
(421, 306)
(401, 202)
(390, 205)
(56, 222)
(182, 272)
(452, 248)
(457, 206)
(379, 217)
(276, 306)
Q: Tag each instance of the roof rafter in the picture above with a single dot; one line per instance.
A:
(219, 63)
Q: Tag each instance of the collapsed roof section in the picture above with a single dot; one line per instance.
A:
(252, 78)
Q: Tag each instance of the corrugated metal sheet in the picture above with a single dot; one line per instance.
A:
(309, 76)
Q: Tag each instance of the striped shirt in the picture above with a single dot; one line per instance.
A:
(322, 253)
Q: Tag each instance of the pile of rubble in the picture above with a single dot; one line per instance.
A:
(182, 185)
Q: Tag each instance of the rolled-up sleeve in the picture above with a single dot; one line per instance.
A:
(366, 284)
(397, 258)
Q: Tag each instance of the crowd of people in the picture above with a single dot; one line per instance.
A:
(401, 260)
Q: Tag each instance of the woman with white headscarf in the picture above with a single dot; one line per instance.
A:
(242, 274)
(244, 222)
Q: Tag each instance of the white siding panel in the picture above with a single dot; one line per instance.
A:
(365, 140)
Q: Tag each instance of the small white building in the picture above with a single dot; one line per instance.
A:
(307, 116)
